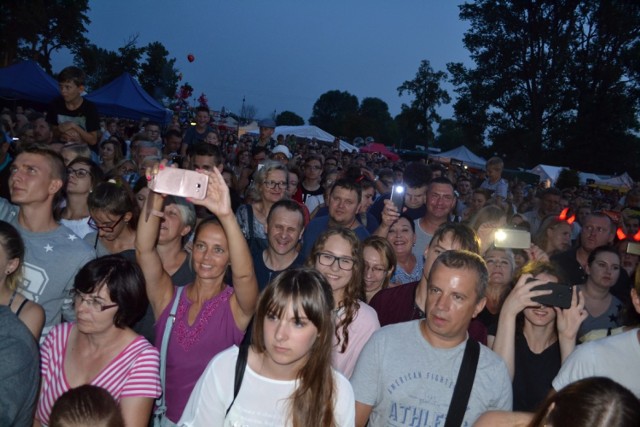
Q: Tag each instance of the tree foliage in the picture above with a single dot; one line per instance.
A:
(149, 64)
(289, 118)
(158, 75)
(35, 29)
(552, 77)
(333, 110)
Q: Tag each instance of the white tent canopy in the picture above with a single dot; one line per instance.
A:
(308, 132)
(463, 154)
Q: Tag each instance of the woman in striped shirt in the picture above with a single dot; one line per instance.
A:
(100, 348)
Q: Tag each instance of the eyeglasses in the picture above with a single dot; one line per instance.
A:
(314, 167)
(328, 260)
(92, 302)
(106, 228)
(375, 269)
(79, 173)
(274, 184)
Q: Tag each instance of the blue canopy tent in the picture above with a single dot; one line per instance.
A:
(27, 81)
(125, 98)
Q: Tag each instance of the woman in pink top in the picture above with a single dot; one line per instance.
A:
(100, 348)
(211, 316)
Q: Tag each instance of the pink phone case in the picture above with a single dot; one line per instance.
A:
(180, 182)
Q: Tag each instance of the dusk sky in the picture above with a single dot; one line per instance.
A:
(283, 54)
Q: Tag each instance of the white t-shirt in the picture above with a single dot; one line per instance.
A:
(261, 401)
(614, 357)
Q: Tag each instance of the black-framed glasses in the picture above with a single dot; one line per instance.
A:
(345, 263)
(92, 302)
(79, 173)
(106, 228)
(274, 184)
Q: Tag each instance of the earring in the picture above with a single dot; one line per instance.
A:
(8, 272)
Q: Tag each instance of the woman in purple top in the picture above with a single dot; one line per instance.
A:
(211, 316)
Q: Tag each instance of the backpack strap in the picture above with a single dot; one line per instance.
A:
(241, 363)
(464, 383)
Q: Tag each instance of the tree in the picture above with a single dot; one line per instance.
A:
(333, 110)
(568, 178)
(374, 120)
(288, 118)
(35, 29)
(158, 75)
(421, 114)
(103, 66)
(551, 78)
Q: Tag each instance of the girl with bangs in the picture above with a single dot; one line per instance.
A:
(337, 255)
(288, 379)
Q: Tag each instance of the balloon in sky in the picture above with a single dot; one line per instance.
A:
(191, 58)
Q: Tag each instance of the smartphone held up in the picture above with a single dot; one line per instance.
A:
(397, 197)
(180, 182)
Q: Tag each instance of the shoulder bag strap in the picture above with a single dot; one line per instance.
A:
(464, 383)
(250, 220)
(160, 402)
(241, 364)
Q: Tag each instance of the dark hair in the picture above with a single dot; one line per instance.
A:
(416, 175)
(312, 402)
(441, 180)
(347, 185)
(204, 149)
(411, 223)
(96, 173)
(590, 402)
(86, 405)
(287, 204)
(460, 233)
(114, 198)
(202, 108)
(72, 74)
(599, 250)
(13, 247)
(125, 282)
(459, 260)
(172, 132)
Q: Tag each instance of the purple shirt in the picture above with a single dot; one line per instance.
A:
(191, 347)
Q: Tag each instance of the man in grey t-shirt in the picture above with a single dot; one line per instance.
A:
(53, 253)
(406, 373)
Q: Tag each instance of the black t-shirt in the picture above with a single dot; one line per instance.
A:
(86, 115)
(533, 374)
(376, 209)
(263, 273)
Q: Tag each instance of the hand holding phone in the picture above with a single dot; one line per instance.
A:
(180, 182)
(560, 295)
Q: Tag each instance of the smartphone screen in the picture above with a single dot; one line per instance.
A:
(397, 197)
(512, 239)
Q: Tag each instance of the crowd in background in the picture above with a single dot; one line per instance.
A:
(149, 296)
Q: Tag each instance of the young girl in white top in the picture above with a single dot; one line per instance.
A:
(288, 379)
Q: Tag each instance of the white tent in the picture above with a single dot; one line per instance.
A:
(309, 132)
(547, 172)
(463, 154)
(623, 181)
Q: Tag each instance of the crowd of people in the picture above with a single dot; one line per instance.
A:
(296, 292)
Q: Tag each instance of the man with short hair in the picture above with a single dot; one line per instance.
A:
(416, 177)
(171, 146)
(53, 253)
(144, 149)
(343, 204)
(440, 200)
(285, 225)
(598, 230)
(464, 189)
(406, 374)
(204, 156)
(42, 133)
(267, 128)
(549, 205)
(152, 130)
